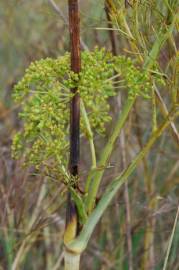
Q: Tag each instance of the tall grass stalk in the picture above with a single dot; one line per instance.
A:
(122, 145)
(171, 240)
(31, 235)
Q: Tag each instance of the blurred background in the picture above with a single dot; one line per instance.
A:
(134, 232)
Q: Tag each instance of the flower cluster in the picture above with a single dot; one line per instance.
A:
(44, 94)
(136, 81)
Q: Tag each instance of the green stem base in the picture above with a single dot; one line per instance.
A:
(72, 260)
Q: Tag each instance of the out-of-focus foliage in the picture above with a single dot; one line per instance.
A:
(28, 32)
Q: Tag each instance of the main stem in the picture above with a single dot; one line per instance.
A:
(72, 260)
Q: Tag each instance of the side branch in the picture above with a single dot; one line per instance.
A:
(80, 243)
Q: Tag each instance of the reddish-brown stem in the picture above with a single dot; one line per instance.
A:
(74, 29)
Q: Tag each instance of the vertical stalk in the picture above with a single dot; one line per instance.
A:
(72, 260)
(122, 144)
(89, 135)
(74, 29)
(110, 24)
(105, 155)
